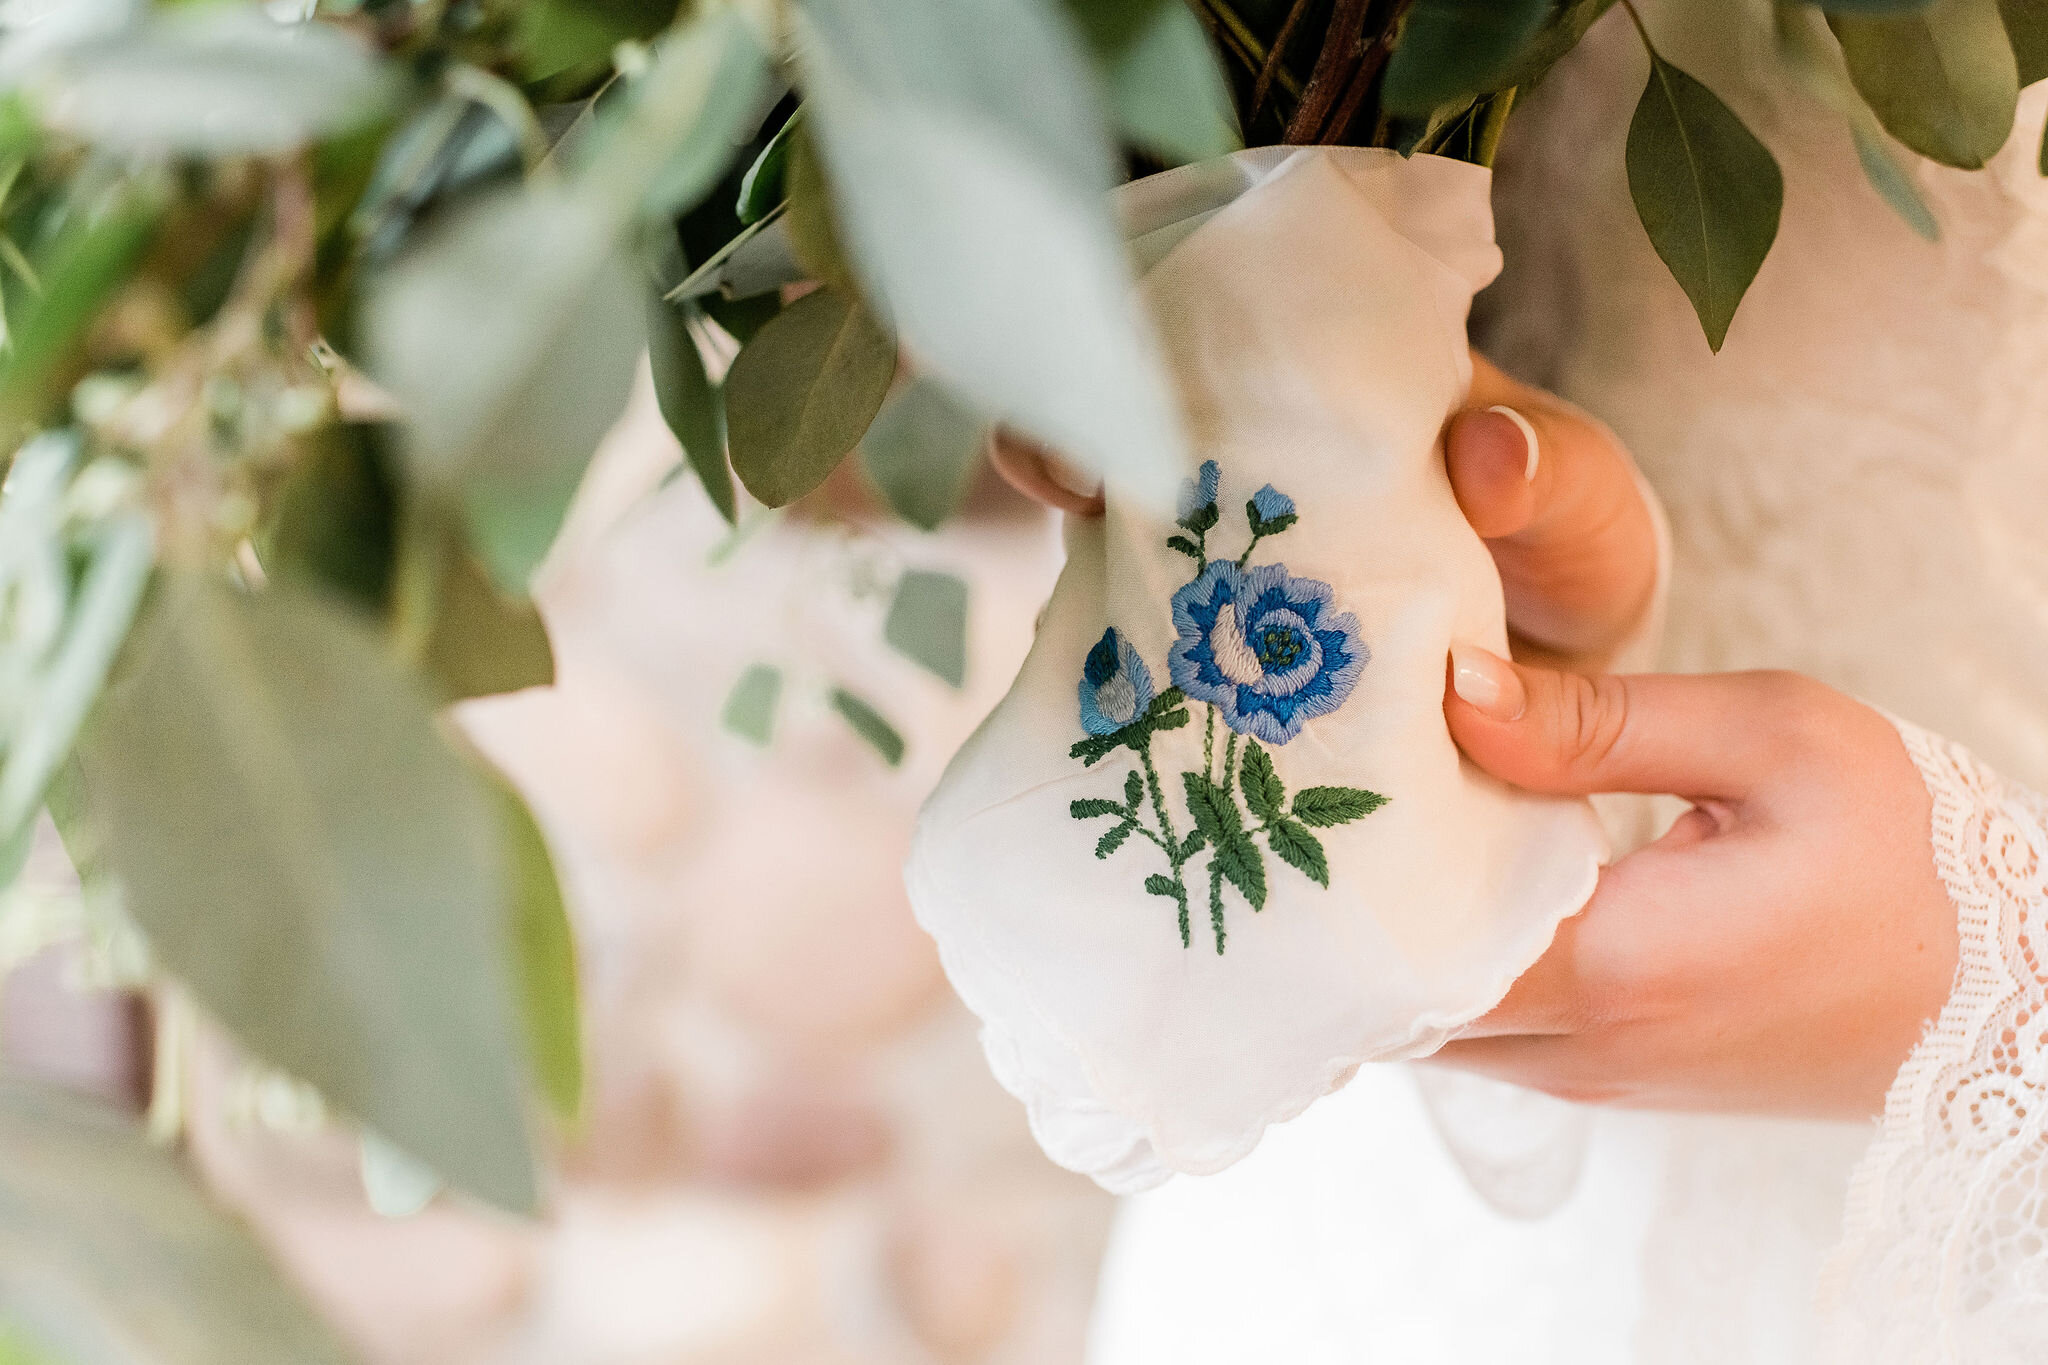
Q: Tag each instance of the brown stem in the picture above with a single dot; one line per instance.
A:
(1271, 67)
(1371, 63)
(1334, 65)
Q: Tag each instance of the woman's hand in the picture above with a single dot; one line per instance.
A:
(1548, 488)
(1779, 951)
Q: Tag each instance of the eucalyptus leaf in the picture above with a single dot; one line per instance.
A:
(802, 393)
(510, 338)
(703, 96)
(335, 523)
(749, 710)
(1455, 49)
(2026, 27)
(546, 948)
(1168, 93)
(212, 80)
(1815, 61)
(927, 623)
(688, 400)
(970, 151)
(1943, 80)
(555, 35)
(741, 318)
(484, 641)
(922, 451)
(110, 1254)
(810, 220)
(870, 724)
(1893, 184)
(762, 188)
(305, 851)
(1708, 193)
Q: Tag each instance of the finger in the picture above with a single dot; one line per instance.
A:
(1039, 474)
(1563, 512)
(1712, 738)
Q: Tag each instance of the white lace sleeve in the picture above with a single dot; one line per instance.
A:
(1945, 1253)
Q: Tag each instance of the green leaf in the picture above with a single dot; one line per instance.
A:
(1113, 839)
(1239, 861)
(546, 949)
(970, 152)
(397, 1184)
(870, 725)
(335, 524)
(1942, 80)
(1323, 807)
(750, 706)
(1299, 849)
(1167, 91)
(763, 186)
(741, 318)
(1215, 813)
(803, 392)
(811, 220)
(305, 851)
(555, 35)
(689, 403)
(2026, 27)
(212, 81)
(1088, 808)
(510, 337)
(1186, 547)
(922, 451)
(701, 98)
(483, 641)
(1159, 884)
(1193, 844)
(1455, 49)
(1134, 791)
(1707, 191)
(1815, 61)
(1892, 183)
(1264, 795)
(927, 623)
(116, 1256)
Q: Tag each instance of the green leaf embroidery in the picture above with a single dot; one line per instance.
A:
(1159, 884)
(1323, 807)
(1215, 814)
(927, 623)
(1238, 859)
(1185, 546)
(1263, 793)
(1113, 839)
(1089, 808)
(1134, 790)
(1707, 191)
(1944, 79)
(870, 725)
(1299, 849)
(1193, 844)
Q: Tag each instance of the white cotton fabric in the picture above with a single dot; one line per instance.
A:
(1313, 304)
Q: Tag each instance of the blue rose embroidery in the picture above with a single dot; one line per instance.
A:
(1266, 651)
(1264, 648)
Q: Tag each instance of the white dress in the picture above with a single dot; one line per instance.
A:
(1858, 488)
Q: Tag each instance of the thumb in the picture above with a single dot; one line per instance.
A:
(1712, 737)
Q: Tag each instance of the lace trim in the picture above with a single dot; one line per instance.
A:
(1945, 1248)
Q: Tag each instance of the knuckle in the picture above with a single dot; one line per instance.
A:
(1592, 722)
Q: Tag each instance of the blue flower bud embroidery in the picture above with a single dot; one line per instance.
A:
(1116, 687)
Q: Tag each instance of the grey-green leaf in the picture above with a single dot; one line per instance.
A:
(1707, 191)
(2026, 27)
(922, 451)
(309, 855)
(870, 724)
(111, 1254)
(927, 623)
(546, 948)
(1167, 91)
(1893, 184)
(1455, 49)
(688, 401)
(1943, 80)
(750, 707)
(803, 392)
(484, 641)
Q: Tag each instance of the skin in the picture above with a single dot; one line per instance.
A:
(1783, 946)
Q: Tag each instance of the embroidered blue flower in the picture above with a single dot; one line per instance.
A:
(1264, 648)
(1116, 686)
(1271, 504)
(1198, 495)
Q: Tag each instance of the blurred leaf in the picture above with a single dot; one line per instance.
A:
(215, 80)
(483, 641)
(1869, 6)
(1455, 49)
(91, 258)
(309, 856)
(1166, 88)
(510, 336)
(810, 219)
(397, 1184)
(1942, 80)
(927, 623)
(750, 707)
(1707, 191)
(763, 188)
(741, 318)
(922, 450)
(555, 35)
(870, 725)
(1892, 183)
(803, 392)
(969, 148)
(546, 947)
(689, 403)
(2026, 27)
(701, 98)
(111, 1255)
(1816, 63)
(336, 518)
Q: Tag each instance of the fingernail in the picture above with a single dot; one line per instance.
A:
(1529, 440)
(1484, 681)
(1076, 481)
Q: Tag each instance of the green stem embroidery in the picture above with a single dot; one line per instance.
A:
(1216, 903)
(1209, 743)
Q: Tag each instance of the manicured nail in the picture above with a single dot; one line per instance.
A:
(1529, 440)
(1076, 481)
(1484, 681)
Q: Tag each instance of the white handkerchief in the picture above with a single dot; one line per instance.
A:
(1216, 848)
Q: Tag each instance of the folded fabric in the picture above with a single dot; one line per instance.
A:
(1216, 848)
